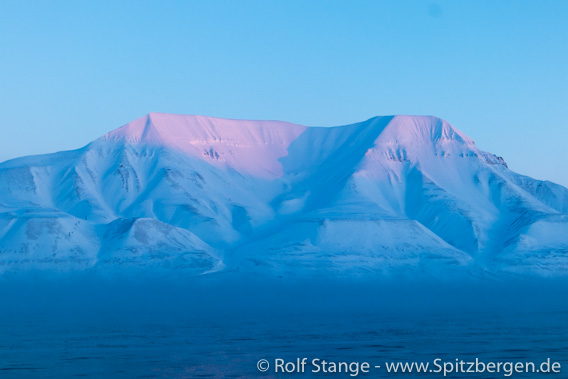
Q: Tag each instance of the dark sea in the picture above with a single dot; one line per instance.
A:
(137, 332)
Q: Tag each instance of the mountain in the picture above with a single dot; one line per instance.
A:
(390, 195)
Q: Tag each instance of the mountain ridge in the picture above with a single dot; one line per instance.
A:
(280, 198)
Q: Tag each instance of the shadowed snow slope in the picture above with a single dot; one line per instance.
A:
(402, 195)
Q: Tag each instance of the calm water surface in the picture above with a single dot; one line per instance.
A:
(184, 344)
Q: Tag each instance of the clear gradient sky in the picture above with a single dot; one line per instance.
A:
(71, 71)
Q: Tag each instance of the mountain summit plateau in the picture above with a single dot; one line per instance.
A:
(202, 195)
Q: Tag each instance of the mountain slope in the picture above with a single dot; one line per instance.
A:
(392, 194)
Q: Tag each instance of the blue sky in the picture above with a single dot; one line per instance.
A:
(73, 70)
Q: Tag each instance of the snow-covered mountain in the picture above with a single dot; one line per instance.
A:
(204, 195)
